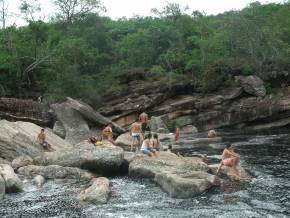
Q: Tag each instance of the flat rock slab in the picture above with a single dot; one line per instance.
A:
(98, 192)
(102, 159)
(54, 172)
(180, 177)
(199, 141)
(12, 181)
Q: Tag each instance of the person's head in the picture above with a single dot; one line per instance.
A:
(155, 136)
(148, 136)
(110, 124)
(177, 129)
(42, 130)
(228, 146)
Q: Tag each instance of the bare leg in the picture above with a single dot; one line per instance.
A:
(219, 168)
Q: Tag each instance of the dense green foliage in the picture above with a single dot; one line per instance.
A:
(83, 57)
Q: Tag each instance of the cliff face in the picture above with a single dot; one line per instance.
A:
(244, 105)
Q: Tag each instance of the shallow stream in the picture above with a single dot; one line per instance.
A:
(266, 157)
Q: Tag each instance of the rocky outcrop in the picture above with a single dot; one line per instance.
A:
(77, 118)
(3, 161)
(12, 181)
(229, 172)
(2, 187)
(103, 159)
(180, 177)
(189, 129)
(21, 161)
(19, 138)
(156, 124)
(58, 129)
(252, 85)
(54, 172)
(98, 192)
(14, 109)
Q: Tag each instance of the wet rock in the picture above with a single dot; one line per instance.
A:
(3, 161)
(228, 172)
(156, 124)
(189, 129)
(98, 192)
(59, 129)
(54, 172)
(185, 185)
(39, 180)
(12, 181)
(180, 177)
(19, 138)
(21, 161)
(2, 187)
(105, 158)
(253, 85)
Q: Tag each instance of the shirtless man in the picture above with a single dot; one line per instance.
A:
(108, 133)
(143, 118)
(41, 138)
(230, 159)
(135, 132)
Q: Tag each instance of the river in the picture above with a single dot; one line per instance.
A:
(265, 156)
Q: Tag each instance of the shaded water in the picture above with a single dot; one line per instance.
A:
(267, 195)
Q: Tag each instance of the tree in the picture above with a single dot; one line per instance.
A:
(74, 9)
(30, 9)
(3, 17)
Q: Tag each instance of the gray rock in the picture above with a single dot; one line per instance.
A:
(39, 180)
(228, 172)
(59, 129)
(189, 129)
(54, 172)
(21, 161)
(180, 177)
(12, 181)
(253, 85)
(19, 138)
(105, 158)
(156, 123)
(98, 192)
(2, 187)
(3, 161)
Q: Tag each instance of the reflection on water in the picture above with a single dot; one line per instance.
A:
(267, 195)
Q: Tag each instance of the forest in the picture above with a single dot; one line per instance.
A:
(82, 54)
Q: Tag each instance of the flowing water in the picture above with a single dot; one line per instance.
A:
(266, 157)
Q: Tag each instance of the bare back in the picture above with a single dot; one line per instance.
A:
(136, 127)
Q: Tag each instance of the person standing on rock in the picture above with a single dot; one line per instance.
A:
(230, 159)
(143, 118)
(41, 138)
(108, 133)
(135, 132)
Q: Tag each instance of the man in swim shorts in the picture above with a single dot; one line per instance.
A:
(135, 132)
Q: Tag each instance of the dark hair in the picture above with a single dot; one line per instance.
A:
(148, 136)
(110, 123)
(228, 145)
(42, 130)
(170, 146)
(155, 136)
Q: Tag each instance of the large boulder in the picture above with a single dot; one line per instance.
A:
(156, 123)
(21, 161)
(189, 129)
(12, 181)
(105, 158)
(252, 85)
(19, 138)
(54, 172)
(98, 192)
(180, 177)
(59, 129)
(2, 187)
(3, 161)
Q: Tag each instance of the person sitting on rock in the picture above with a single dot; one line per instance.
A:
(230, 159)
(146, 147)
(41, 138)
(135, 132)
(108, 133)
(156, 144)
(212, 133)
